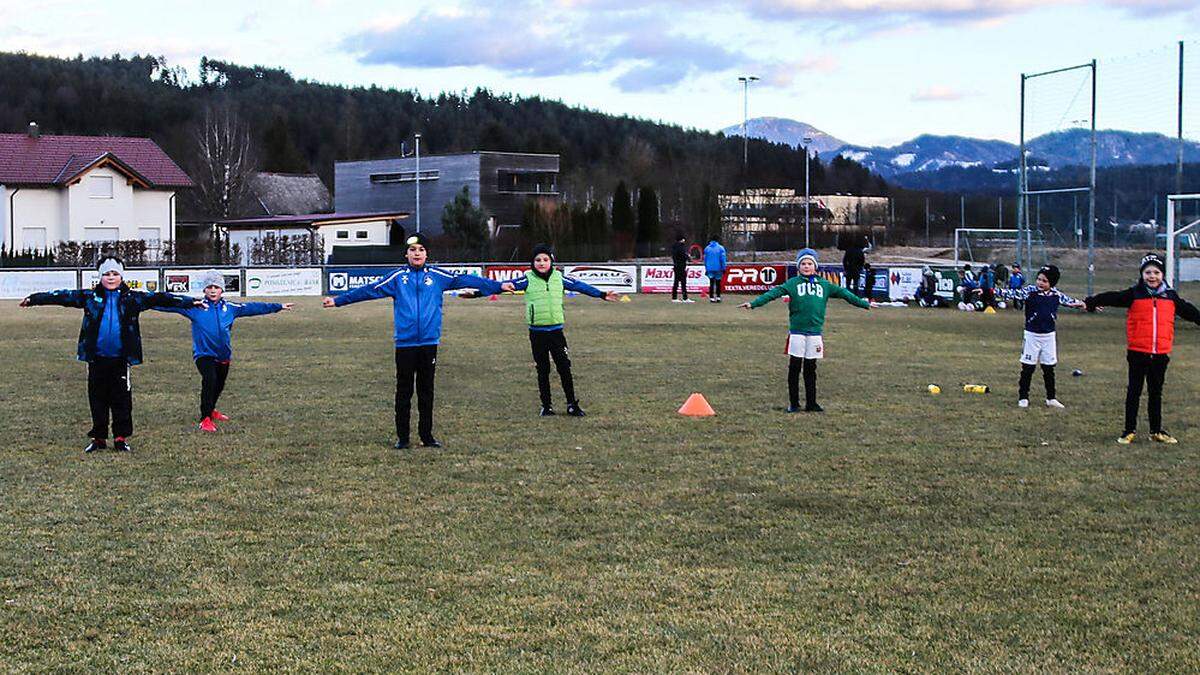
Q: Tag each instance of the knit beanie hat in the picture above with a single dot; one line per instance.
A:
(417, 240)
(1052, 274)
(806, 253)
(212, 278)
(1153, 259)
(540, 249)
(111, 265)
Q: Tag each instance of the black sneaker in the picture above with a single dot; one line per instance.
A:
(547, 411)
(792, 409)
(120, 445)
(813, 407)
(574, 410)
(96, 444)
(401, 445)
(430, 442)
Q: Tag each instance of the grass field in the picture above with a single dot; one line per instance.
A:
(896, 531)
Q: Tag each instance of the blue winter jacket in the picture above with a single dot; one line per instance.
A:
(1041, 307)
(212, 326)
(130, 304)
(714, 259)
(417, 300)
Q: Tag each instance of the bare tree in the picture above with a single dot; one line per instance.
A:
(224, 162)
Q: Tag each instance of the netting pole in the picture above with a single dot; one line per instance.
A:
(1022, 182)
(1179, 156)
(1092, 196)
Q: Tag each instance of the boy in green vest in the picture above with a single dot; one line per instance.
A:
(544, 288)
(808, 294)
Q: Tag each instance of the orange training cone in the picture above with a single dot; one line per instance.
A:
(697, 406)
(493, 298)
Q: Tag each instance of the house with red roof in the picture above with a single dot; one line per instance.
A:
(85, 188)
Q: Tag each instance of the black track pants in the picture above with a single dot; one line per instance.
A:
(1027, 379)
(547, 345)
(415, 364)
(109, 390)
(1151, 369)
(809, 368)
(212, 382)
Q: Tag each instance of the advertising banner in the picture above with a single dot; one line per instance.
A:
(619, 278)
(187, 282)
(477, 270)
(904, 282)
(947, 282)
(342, 279)
(753, 278)
(17, 285)
(138, 280)
(271, 282)
(882, 288)
(658, 279)
(505, 272)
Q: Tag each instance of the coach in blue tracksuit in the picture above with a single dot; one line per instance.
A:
(416, 292)
(212, 347)
(715, 262)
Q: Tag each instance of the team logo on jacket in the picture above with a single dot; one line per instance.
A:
(428, 281)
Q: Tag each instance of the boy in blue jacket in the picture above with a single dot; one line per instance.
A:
(110, 342)
(212, 333)
(416, 291)
(715, 263)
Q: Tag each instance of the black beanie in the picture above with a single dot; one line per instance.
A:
(415, 239)
(1052, 274)
(1153, 259)
(539, 249)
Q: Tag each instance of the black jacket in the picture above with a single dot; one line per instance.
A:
(679, 253)
(130, 304)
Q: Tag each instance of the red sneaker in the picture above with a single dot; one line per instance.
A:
(207, 425)
(218, 416)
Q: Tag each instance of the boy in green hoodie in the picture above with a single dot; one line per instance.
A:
(808, 294)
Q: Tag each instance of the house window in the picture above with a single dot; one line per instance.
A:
(150, 235)
(343, 234)
(101, 234)
(404, 176)
(34, 237)
(361, 234)
(527, 182)
(100, 187)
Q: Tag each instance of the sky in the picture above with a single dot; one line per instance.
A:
(871, 72)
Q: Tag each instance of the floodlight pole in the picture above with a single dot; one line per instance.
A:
(746, 80)
(1179, 155)
(1022, 184)
(807, 197)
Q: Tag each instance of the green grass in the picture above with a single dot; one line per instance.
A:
(897, 531)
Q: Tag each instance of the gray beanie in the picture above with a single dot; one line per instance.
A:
(212, 278)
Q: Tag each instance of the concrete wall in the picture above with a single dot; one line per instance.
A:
(355, 193)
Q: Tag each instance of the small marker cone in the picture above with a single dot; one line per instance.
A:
(493, 298)
(697, 406)
(989, 310)
(625, 298)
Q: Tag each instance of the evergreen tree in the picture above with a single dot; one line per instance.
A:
(466, 223)
(648, 224)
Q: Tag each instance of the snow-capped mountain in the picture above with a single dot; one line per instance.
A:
(787, 131)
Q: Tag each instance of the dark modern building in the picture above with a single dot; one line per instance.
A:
(498, 182)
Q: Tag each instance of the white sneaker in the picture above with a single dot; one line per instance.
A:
(676, 300)
(1023, 403)
(1053, 403)
(689, 301)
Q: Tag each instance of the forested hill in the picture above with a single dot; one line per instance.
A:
(299, 126)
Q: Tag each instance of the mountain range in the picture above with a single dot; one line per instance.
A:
(930, 153)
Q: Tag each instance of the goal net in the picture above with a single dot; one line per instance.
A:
(1183, 238)
(990, 245)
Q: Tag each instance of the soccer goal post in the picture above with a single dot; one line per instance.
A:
(1181, 233)
(970, 241)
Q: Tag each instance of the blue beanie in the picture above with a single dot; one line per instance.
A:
(806, 253)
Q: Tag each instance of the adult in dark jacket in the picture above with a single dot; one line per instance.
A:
(852, 262)
(679, 259)
(416, 290)
(1150, 336)
(110, 342)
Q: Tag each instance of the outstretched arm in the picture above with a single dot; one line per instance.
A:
(486, 286)
(572, 284)
(839, 292)
(156, 300)
(1186, 310)
(1068, 301)
(773, 294)
(1110, 299)
(1015, 293)
(63, 298)
(258, 308)
(383, 288)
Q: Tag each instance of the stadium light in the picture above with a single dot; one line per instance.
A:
(746, 80)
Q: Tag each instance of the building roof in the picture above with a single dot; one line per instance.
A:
(280, 194)
(309, 219)
(61, 160)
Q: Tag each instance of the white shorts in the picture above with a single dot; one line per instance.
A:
(806, 346)
(1039, 348)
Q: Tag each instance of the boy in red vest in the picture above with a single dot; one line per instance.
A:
(1150, 334)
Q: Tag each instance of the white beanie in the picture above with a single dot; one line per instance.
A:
(212, 278)
(111, 265)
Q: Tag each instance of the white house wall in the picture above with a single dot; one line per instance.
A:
(91, 213)
(38, 208)
(378, 234)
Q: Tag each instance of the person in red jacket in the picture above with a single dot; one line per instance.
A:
(1150, 334)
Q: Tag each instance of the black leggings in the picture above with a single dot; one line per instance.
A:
(109, 391)
(1027, 378)
(809, 367)
(415, 364)
(679, 282)
(212, 382)
(714, 287)
(1151, 369)
(547, 344)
